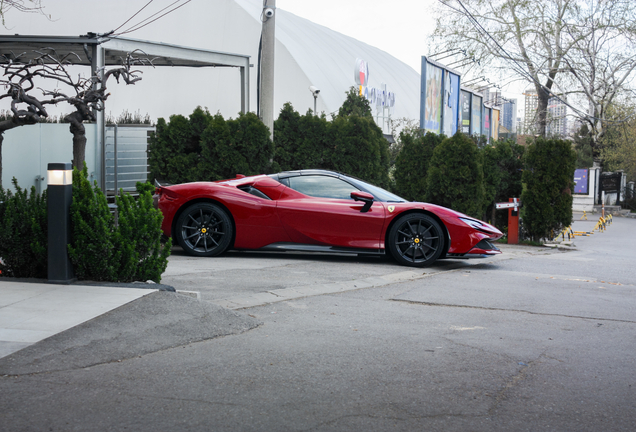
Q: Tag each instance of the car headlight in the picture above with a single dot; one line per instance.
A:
(473, 223)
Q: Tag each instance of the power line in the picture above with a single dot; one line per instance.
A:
(143, 23)
(135, 14)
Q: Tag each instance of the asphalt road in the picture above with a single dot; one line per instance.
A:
(536, 339)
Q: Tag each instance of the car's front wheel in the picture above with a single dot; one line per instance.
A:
(416, 240)
(204, 229)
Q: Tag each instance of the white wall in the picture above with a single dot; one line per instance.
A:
(27, 150)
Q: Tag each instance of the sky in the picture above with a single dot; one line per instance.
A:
(399, 27)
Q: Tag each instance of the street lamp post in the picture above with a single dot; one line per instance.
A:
(60, 196)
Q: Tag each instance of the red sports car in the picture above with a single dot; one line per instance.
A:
(317, 211)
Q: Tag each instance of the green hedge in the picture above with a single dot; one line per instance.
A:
(411, 164)
(23, 233)
(455, 176)
(100, 249)
(547, 195)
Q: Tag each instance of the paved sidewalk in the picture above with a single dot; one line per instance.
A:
(31, 312)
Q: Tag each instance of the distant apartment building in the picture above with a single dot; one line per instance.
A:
(509, 115)
(556, 116)
(557, 121)
(531, 105)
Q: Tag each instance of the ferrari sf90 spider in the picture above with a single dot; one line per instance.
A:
(317, 211)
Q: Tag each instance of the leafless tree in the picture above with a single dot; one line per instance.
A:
(28, 6)
(562, 47)
(86, 95)
(26, 109)
(89, 94)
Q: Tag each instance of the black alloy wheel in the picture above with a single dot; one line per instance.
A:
(204, 229)
(416, 240)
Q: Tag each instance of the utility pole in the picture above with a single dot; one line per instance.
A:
(268, 35)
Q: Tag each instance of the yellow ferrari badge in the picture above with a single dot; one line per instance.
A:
(391, 208)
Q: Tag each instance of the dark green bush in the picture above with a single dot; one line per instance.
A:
(92, 251)
(358, 147)
(102, 251)
(138, 239)
(455, 176)
(175, 148)
(412, 162)
(502, 166)
(301, 142)
(23, 233)
(547, 195)
(235, 146)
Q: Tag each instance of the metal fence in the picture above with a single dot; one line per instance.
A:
(125, 157)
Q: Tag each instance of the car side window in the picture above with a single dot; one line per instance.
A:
(322, 186)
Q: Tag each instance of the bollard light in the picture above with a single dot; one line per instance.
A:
(58, 174)
(60, 196)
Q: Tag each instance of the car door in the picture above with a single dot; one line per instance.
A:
(323, 213)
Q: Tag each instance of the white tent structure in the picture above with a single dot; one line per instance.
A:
(311, 54)
(306, 54)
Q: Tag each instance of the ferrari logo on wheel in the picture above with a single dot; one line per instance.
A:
(391, 208)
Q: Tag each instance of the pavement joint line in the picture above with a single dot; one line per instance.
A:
(245, 302)
(422, 303)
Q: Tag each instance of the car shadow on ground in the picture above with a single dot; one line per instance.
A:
(385, 260)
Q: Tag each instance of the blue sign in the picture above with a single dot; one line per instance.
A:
(581, 181)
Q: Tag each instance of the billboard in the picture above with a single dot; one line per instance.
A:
(451, 103)
(581, 181)
(432, 94)
(495, 124)
(465, 100)
(487, 117)
(476, 114)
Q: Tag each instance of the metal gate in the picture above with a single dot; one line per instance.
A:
(125, 157)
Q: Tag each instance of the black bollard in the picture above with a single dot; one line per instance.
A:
(60, 196)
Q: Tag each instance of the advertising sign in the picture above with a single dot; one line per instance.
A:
(581, 181)
(361, 72)
(476, 114)
(451, 103)
(611, 182)
(495, 124)
(487, 116)
(465, 105)
(432, 89)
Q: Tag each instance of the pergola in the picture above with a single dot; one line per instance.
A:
(98, 51)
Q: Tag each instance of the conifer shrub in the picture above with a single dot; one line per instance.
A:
(101, 250)
(300, 142)
(455, 176)
(235, 146)
(502, 166)
(547, 195)
(412, 162)
(175, 148)
(23, 233)
(137, 239)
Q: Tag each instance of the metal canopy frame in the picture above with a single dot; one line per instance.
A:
(102, 51)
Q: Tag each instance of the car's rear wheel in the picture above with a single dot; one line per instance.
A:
(416, 240)
(204, 229)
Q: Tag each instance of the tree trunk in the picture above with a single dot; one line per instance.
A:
(1, 141)
(542, 111)
(79, 139)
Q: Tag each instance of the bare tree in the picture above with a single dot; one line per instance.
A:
(86, 95)
(28, 6)
(546, 43)
(25, 109)
(89, 94)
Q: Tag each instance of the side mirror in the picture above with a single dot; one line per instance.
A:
(365, 197)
